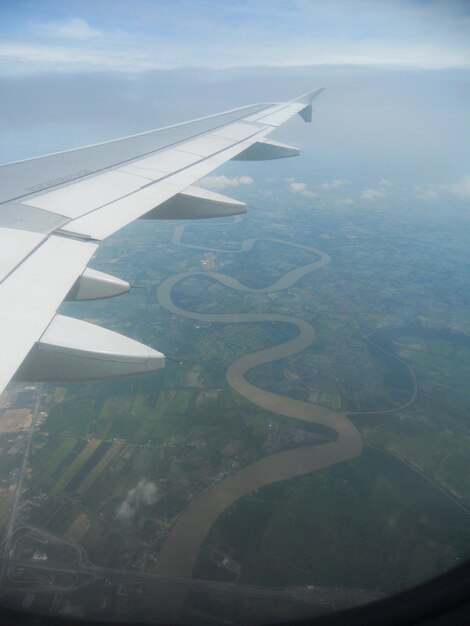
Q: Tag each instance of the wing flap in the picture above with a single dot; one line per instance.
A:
(237, 131)
(15, 245)
(207, 145)
(161, 164)
(89, 194)
(107, 220)
(80, 198)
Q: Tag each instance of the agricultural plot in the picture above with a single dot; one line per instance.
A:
(76, 465)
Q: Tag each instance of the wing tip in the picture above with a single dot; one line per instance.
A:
(307, 99)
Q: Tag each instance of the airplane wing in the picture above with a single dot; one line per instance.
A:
(55, 210)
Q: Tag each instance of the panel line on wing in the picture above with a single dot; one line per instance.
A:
(110, 218)
(15, 247)
(167, 176)
(84, 174)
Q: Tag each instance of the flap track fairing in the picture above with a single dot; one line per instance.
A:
(195, 203)
(72, 350)
(94, 285)
(267, 150)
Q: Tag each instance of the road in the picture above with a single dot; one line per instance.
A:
(319, 595)
(19, 487)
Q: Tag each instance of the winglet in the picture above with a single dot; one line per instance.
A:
(307, 99)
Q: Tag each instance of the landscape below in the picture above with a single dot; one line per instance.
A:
(113, 465)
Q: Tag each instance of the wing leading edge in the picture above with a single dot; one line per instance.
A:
(54, 211)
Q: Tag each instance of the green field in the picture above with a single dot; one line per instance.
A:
(354, 524)
(141, 409)
(432, 434)
(100, 467)
(76, 464)
(57, 457)
(181, 401)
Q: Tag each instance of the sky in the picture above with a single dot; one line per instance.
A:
(122, 36)
(397, 78)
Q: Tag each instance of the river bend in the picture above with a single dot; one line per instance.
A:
(179, 553)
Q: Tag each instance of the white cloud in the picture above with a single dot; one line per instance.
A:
(372, 194)
(333, 185)
(219, 183)
(263, 33)
(145, 493)
(71, 28)
(133, 54)
(300, 188)
(24, 58)
(461, 188)
(345, 201)
(384, 182)
(428, 194)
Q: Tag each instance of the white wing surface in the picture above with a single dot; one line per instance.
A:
(55, 210)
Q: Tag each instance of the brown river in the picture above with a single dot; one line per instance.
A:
(179, 553)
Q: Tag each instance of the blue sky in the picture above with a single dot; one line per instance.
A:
(122, 36)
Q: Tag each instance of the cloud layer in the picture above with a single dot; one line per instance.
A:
(461, 188)
(409, 127)
(300, 188)
(219, 183)
(143, 35)
(372, 194)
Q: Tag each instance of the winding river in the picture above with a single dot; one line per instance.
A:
(179, 553)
